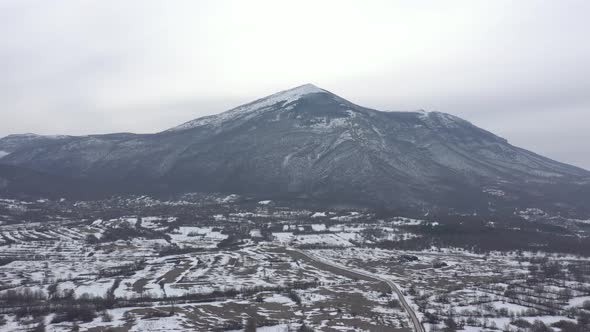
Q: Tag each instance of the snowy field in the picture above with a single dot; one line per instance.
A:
(208, 264)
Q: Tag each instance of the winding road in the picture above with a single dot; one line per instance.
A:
(418, 327)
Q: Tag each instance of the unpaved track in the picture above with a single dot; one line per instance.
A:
(418, 327)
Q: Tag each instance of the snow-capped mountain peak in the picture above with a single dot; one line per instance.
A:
(285, 97)
(256, 107)
(299, 91)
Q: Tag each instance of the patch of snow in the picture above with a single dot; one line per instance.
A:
(283, 236)
(94, 289)
(494, 192)
(189, 233)
(545, 173)
(580, 221)
(325, 123)
(218, 217)
(276, 328)
(230, 198)
(578, 301)
(318, 227)
(278, 298)
(531, 213)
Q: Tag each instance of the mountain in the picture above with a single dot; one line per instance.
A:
(25, 183)
(309, 144)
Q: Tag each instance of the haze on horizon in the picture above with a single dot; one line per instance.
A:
(519, 69)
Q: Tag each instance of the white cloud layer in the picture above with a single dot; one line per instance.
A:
(518, 68)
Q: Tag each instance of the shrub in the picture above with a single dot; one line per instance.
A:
(521, 323)
(250, 325)
(294, 297)
(539, 326)
(305, 328)
(394, 303)
(106, 317)
(75, 313)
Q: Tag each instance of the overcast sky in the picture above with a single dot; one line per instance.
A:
(520, 69)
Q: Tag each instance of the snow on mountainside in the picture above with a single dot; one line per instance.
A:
(438, 119)
(11, 143)
(308, 143)
(284, 98)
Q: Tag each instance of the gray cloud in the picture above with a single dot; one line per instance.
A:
(519, 69)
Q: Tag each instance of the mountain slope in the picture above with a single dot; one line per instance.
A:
(309, 143)
(24, 183)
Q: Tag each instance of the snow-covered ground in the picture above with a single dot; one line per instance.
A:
(216, 266)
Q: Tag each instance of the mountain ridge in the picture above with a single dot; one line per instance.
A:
(308, 143)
